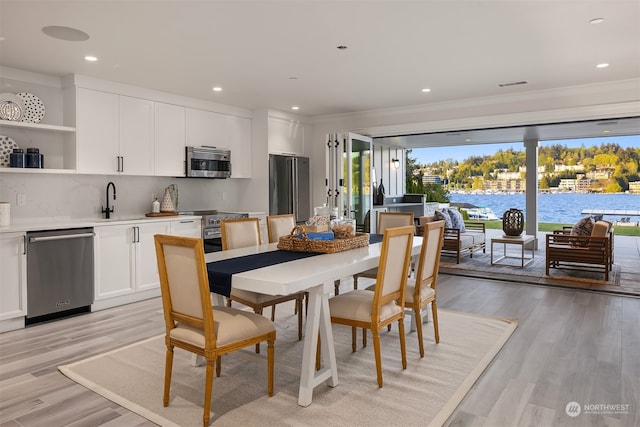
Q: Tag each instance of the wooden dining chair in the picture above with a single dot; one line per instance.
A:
(385, 220)
(193, 324)
(279, 225)
(375, 310)
(421, 290)
(240, 233)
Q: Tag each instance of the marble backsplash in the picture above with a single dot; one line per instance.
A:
(76, 196)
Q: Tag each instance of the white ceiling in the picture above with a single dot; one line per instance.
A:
(268, 54)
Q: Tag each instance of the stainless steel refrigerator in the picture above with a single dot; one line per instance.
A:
(289, 186)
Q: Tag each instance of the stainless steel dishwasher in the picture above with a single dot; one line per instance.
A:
(59, 273)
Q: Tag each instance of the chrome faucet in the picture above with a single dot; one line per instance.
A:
(107, 211)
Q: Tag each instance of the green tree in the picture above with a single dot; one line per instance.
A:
(613, 187)
(432, 192)
(478, 183)
(605, 159)
(544, 182)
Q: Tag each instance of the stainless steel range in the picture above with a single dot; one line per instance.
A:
(211, 234)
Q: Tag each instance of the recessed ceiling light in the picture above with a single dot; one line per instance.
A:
(606, 131)
(217, 89)
(596, 21)
(295, 107)
(468, 140)
(90, 58)
(425, 90)
(65, 33)
(603, 65)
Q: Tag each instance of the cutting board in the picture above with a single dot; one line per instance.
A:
(162, 214)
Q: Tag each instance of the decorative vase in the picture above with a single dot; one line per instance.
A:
(167, 203)
(173, 190)
(513, 222)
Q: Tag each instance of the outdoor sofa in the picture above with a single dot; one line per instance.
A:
(593, 252)
(457, 243)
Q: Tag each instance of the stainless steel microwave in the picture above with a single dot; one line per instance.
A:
(208, 162)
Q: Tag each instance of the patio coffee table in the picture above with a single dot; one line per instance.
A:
(513, 240)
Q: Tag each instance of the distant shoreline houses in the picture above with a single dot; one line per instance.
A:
(506, 181)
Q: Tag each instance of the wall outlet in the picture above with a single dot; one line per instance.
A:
(21, 199)
(224, 195)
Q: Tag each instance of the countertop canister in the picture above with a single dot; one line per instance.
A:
(5, 213)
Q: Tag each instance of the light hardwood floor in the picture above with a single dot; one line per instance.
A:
(569, 346)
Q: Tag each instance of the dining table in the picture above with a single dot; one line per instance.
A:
(315, 275)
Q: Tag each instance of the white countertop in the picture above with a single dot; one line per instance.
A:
(66, 222)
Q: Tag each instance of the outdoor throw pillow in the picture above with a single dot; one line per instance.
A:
(443, 215)
(456, 219)
(583, 227)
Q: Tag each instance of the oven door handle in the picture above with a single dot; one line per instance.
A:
(207, 234)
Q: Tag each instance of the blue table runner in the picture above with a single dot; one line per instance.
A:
(221, 272)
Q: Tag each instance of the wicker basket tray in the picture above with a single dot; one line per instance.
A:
(294, 243)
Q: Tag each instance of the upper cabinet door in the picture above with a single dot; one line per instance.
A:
(137, 140)
(97, 131)
(286, 136)
(238, 139)
(170, 139)
(205, 128)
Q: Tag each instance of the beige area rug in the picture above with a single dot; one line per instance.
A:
(426, 393)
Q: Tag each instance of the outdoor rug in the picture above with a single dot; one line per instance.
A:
(534, 272)
(426, 393)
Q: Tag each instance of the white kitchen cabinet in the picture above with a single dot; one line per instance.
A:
(137, 141)
(238, 140)
(287, 136)
(97, 131)
(205, 128)
(170, 133)
(115, 134)
(187, 228)
(146, 264)
(125, 263)
(13, 281)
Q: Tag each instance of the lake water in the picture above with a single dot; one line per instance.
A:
(558, 208)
